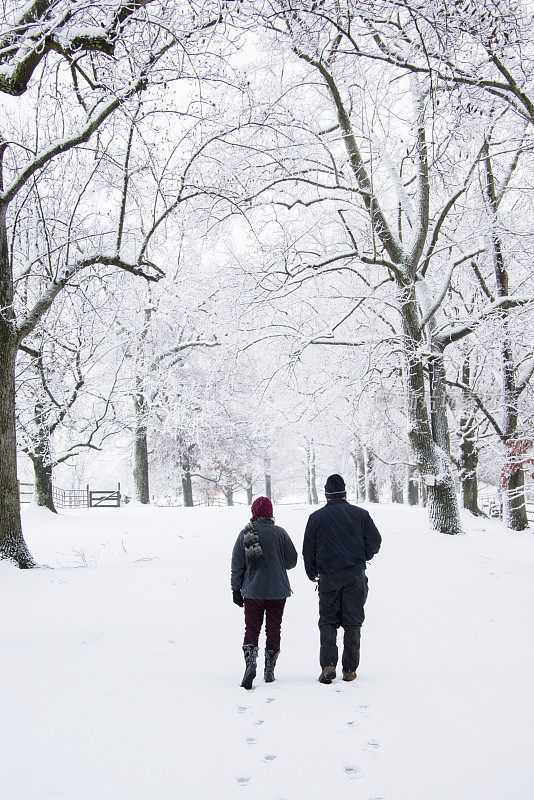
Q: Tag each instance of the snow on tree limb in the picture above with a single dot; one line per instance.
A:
(92, 125)
(454, 333)
(50, 26)
(445, 286)
(525, 376)
(45, 301)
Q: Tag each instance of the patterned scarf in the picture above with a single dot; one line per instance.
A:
(253, 551)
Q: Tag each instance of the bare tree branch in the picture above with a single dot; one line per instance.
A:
(32, 318)
(455, 333)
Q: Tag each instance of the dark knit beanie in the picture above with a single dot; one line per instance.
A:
(335, 487)
(262, 507)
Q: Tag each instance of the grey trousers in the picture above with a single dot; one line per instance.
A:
(341, 606)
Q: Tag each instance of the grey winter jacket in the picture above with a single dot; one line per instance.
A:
(266, 580)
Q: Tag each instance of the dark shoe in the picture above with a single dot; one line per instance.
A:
(349, 676)
(327, 675)
(270, 663)
(251, 656)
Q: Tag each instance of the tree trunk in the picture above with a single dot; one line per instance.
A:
(42, 490)
(359, 470)
(229, 495)
(468, 476)
(412, 487)
(312, 476)
(12, 544)
(437, 487)
(308, 474)
(514, 506)
(249, 494)
(438, 401)
(395, 486)
(434, 464)
(355, 461)
(315, 496)
(187, 482)
(268, 481)
(41, 461)
(512, 482)
(372, 486)
(140, 455)
(423, 492)
(468, 447)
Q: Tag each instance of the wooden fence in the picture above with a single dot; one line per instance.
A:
(70, 498)
(105, 498)
(26, 492)
(76, 498)
(491, 504)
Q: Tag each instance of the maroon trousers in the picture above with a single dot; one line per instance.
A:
(254, 611)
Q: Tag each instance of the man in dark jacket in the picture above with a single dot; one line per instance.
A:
(338, 541)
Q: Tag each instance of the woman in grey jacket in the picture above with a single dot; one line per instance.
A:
(262, 554)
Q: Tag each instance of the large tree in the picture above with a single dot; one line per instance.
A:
(73, 66)
(412, 189)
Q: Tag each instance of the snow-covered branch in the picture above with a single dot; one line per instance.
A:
(525, 376)
(186, 346)
(45, 27)
(445, 286)
(455, 333)
(389, 240)
(93, 124)
(423, 186)
(445, 213)
(475, 397)
(45, 301)
(326, 340)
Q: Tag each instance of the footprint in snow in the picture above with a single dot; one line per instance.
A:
(242, 709)
(372, 744)
(352, 771)
(270, 700)
(250, 740)
(270, 757)
(352, 723)
(259, 722)
(244, 780)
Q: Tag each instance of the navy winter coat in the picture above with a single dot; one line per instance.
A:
(266, 580)
(338, 540)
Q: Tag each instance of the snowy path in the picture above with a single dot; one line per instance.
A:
(122, 679)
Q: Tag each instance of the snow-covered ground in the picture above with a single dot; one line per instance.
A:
(120, 667)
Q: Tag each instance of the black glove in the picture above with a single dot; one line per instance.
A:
(238, 598)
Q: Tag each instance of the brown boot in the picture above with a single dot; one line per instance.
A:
(349, 676)
(327, 675)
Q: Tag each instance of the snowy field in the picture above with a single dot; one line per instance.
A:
(120, 667)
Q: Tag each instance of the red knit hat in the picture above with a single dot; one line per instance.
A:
(262, 507)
